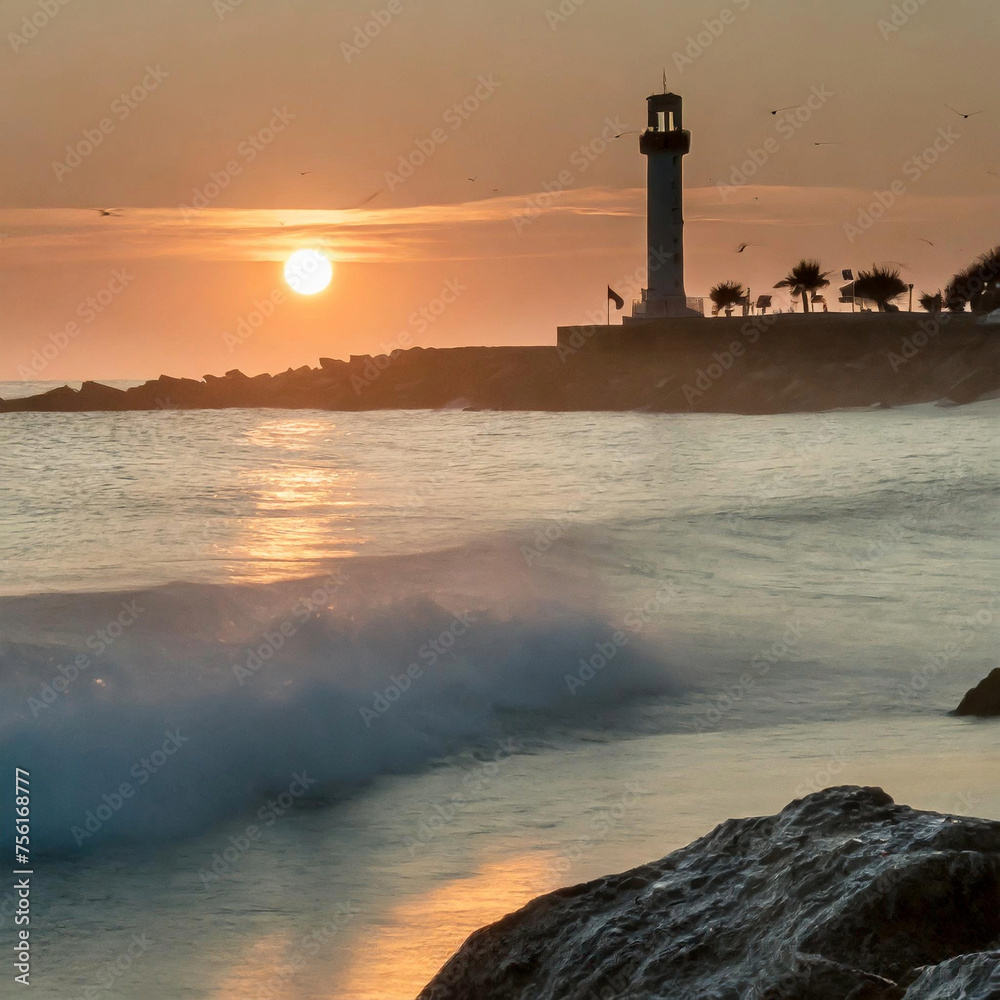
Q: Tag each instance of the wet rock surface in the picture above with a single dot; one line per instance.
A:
(984, 699)
(843, 895)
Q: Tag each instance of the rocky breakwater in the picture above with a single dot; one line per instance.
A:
(843, 895)
(759, 365)
(421, 378)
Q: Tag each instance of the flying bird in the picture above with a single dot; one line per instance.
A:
(828, 144)
(791, 108)
(631, 131)
(473, 179)
(370, 197)
(993, 173)
(959, 113)
(743, 246)
(108, 211)
(302, 173)
(922, 240)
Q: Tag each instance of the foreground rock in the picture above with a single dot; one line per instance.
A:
(984, 698)
(842, 896)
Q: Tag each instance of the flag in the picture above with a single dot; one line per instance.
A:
(613, 296)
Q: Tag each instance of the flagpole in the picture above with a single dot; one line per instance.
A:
(609, 308)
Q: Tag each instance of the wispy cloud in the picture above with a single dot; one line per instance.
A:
(471, 230)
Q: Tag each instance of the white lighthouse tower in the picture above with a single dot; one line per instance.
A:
(665, 143)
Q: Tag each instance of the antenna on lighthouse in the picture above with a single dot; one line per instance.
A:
(664, 79)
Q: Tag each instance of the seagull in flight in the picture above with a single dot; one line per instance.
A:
(744, 246)
(113, 212)
(828, 144)
(791, 108)
(370, 198)
(959, 113)
(631, 131)
(303, 173)
(473, 179)
(922, 240)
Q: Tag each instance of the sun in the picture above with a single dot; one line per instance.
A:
(308, 271)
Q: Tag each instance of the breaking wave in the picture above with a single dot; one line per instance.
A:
(157, 714)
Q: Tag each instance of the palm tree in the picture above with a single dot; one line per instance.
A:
(805, 279)
(728, 294)
(956, 292)
(880, 285)
(932, 303)
(977, 286)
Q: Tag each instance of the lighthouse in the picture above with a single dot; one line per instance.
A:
(664, 143)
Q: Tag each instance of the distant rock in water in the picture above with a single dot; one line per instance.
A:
(841, 896)
(983, 699)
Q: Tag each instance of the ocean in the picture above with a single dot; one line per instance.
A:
(307, 697)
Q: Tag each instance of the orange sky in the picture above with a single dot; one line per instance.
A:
(537, 85)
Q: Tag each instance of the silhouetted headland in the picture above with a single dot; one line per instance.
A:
(754, 365)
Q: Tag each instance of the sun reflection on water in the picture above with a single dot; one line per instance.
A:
(301, 513)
